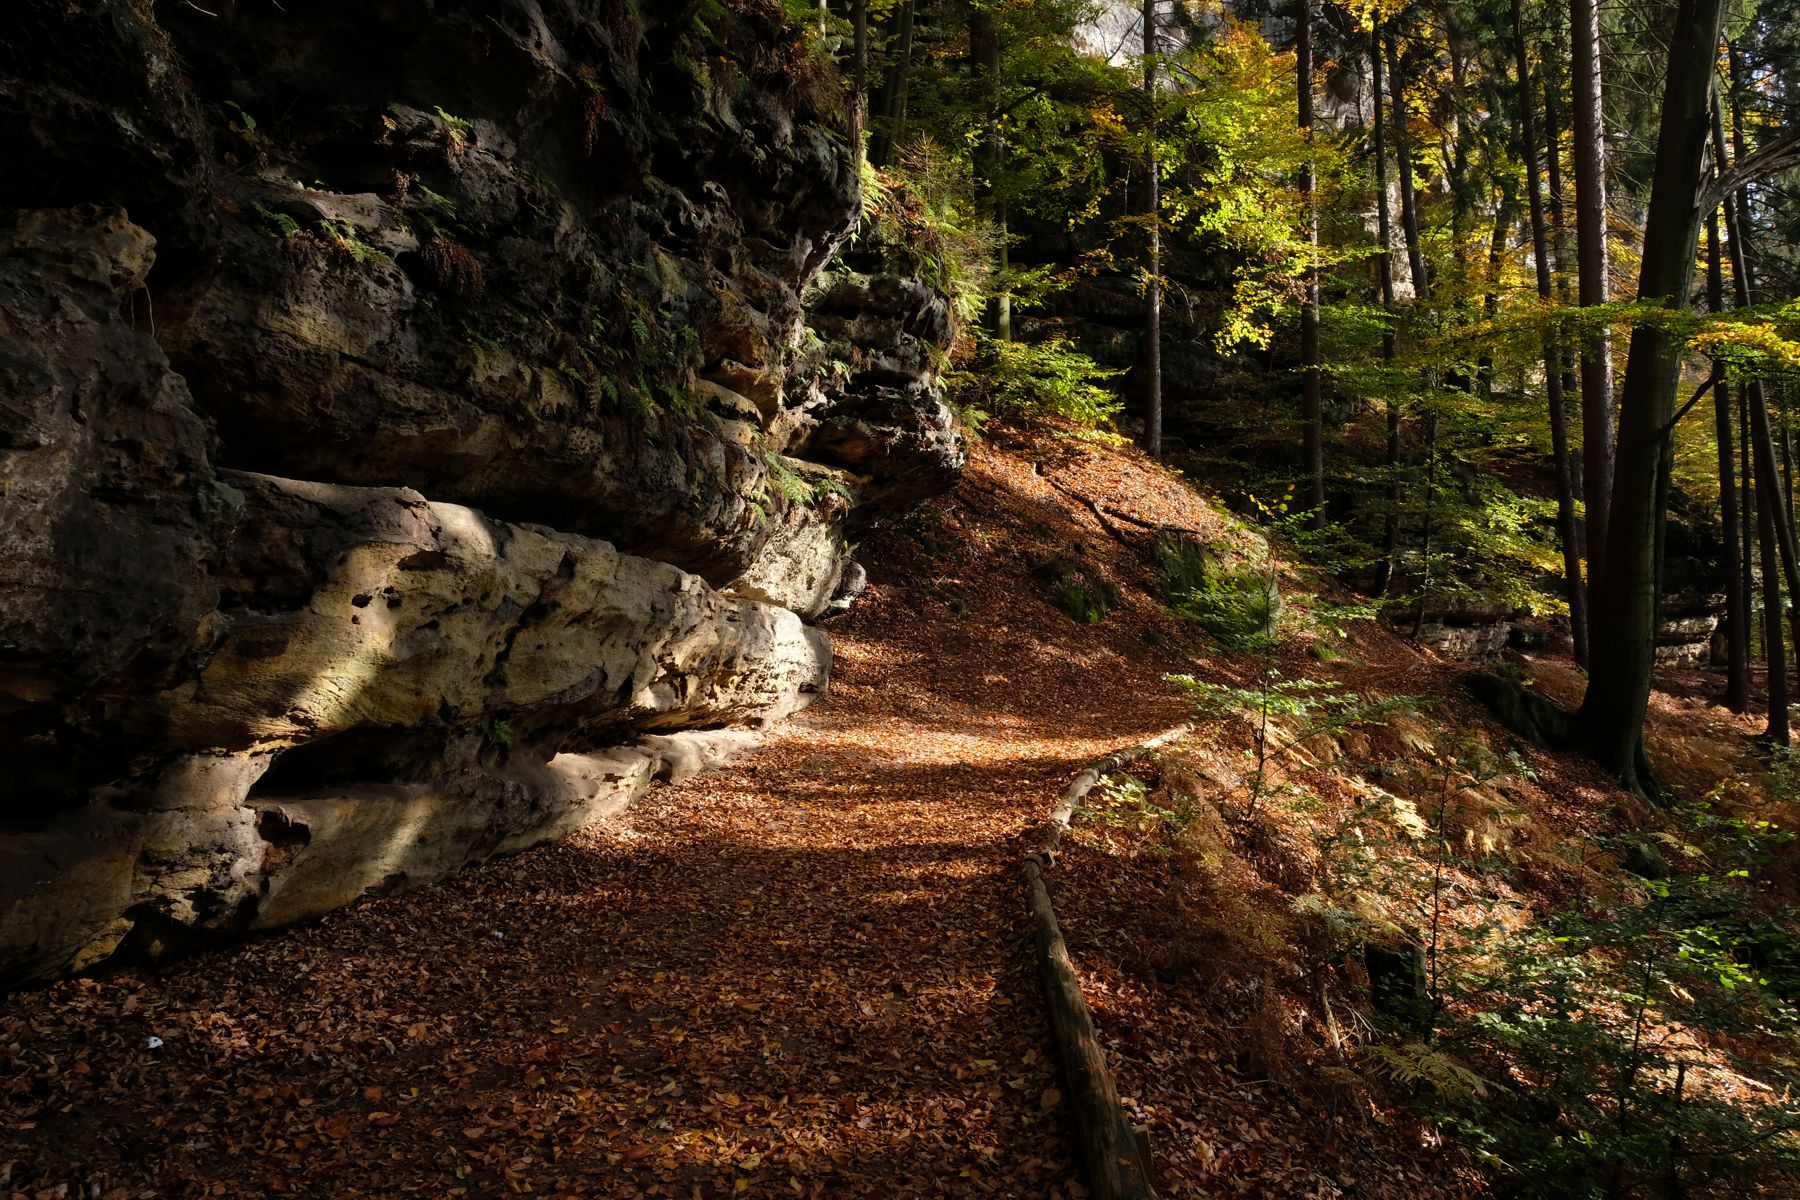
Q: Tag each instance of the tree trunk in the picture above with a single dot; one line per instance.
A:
(1619, 689)
(859, 23)
(1421, 282)
(1313, 436)
(1504, 212)
(1384, 271)
(1774, 652)
(1597, 411)
(984, 63)
(1559, 245)
(1737, 607)
(893, 89)
(1409, 207)
(1739, 150)
(1746, 507)
(1431, 435)
(1553, 380)
(1153, 398)
(1456, 165)
(1763, 446)
(1761, 435)
(1787, 454)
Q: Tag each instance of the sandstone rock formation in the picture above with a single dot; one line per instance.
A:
(418, 432)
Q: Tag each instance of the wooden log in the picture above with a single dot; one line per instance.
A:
(1090, 778)
(1111, 1158)
(1115, 1154)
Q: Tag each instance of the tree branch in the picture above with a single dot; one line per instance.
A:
(1778, 156)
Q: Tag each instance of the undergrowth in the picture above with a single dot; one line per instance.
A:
(1624, 1037)
(1029, 381)
(1079, 589)
(1608, 1007)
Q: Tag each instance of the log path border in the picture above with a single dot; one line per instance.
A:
(1114, 1154)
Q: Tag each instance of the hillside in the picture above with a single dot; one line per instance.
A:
(807, 972)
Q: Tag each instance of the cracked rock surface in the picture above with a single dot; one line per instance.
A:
(416, 438)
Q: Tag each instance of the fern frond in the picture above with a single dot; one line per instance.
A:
(1415, 1065)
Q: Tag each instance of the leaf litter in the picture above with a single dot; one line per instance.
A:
(805, 974)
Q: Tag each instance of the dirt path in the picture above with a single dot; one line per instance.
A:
(803, 975)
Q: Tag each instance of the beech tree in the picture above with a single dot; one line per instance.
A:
(1313, 431)
(1594, 267)
(1618, 693)
(1152, 354)
(1575, 588)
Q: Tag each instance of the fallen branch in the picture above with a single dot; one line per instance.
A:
(1110, 1154)
(1095, 507)
(1114, 1154)
(1085, 782)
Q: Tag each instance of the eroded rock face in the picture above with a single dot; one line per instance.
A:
(346, 609)
(111, 518)
(412, 438)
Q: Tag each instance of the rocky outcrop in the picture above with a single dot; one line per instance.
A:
(416, 435)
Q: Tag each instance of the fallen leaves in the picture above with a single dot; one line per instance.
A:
(799, 976)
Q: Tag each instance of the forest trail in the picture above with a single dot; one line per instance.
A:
(803, 974)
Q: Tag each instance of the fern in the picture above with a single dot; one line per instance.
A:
(284, 225)
(831, 485)
(785, 483)
(1415, 1065)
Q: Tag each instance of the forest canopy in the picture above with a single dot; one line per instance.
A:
(1486, 282)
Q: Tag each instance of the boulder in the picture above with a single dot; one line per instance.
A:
(412, 446)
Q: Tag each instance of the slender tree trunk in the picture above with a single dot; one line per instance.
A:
(1504, 212)
(984, 55)
(1559, 245)
(1744, 241)
(1778, 525)
(1787, 455)
(1746, 218)
(1619, 689)
(1426, 529)
(1553, 380)
(1737, 607)
(1421, 282)
(1761, 435)
(859, 24)
(1003, 323)
(1665, 479)
(1384, 270)
(1747, 509)
(1456, 165)
(1409, 205)
(1597, 411)
(1313, 436)
(1774, 651)
(892, 106)
(1763, 447)
(1153, 398)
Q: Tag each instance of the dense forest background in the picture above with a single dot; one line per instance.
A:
(1394, 257)
(1488, 311)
